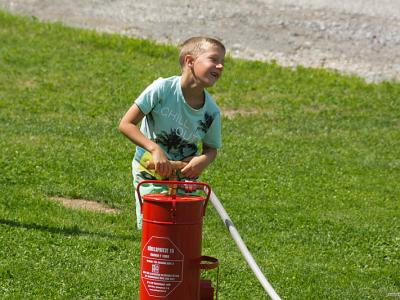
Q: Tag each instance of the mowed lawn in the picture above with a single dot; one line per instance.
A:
(309, 171)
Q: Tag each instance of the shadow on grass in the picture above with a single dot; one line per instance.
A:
(65, 230)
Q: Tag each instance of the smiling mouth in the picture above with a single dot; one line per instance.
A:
(214, 74)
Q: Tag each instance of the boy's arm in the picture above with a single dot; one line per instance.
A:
(197, 164)
(128, 126)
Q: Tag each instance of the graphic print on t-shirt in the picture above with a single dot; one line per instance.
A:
(176, 145)
(206, 123)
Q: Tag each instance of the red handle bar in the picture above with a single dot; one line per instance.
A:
(168, 182)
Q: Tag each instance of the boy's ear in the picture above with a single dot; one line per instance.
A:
(189, 60)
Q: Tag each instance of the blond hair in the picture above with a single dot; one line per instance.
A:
(196, 46)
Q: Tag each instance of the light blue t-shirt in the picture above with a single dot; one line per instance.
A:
(173, 124)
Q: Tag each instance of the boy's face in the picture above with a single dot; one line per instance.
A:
(207, 67)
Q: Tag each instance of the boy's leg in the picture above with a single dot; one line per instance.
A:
(136, 180)
(139, 215)
(144, 190)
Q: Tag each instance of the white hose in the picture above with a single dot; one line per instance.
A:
(242, 247)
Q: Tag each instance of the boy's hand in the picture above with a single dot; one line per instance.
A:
(195, 166)
(162, 165)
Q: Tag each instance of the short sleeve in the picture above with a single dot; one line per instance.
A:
(213, 136)
(150, 97)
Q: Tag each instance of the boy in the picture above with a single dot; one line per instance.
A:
(181, 121)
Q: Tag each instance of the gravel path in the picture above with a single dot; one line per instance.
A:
(357, 37)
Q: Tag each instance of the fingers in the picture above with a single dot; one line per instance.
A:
(163, 168)
(166, 168)
(186, 171)
(190, 172)
(195, 167)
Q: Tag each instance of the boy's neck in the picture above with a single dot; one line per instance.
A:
(192, 92)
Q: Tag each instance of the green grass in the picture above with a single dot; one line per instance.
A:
(311, 180)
